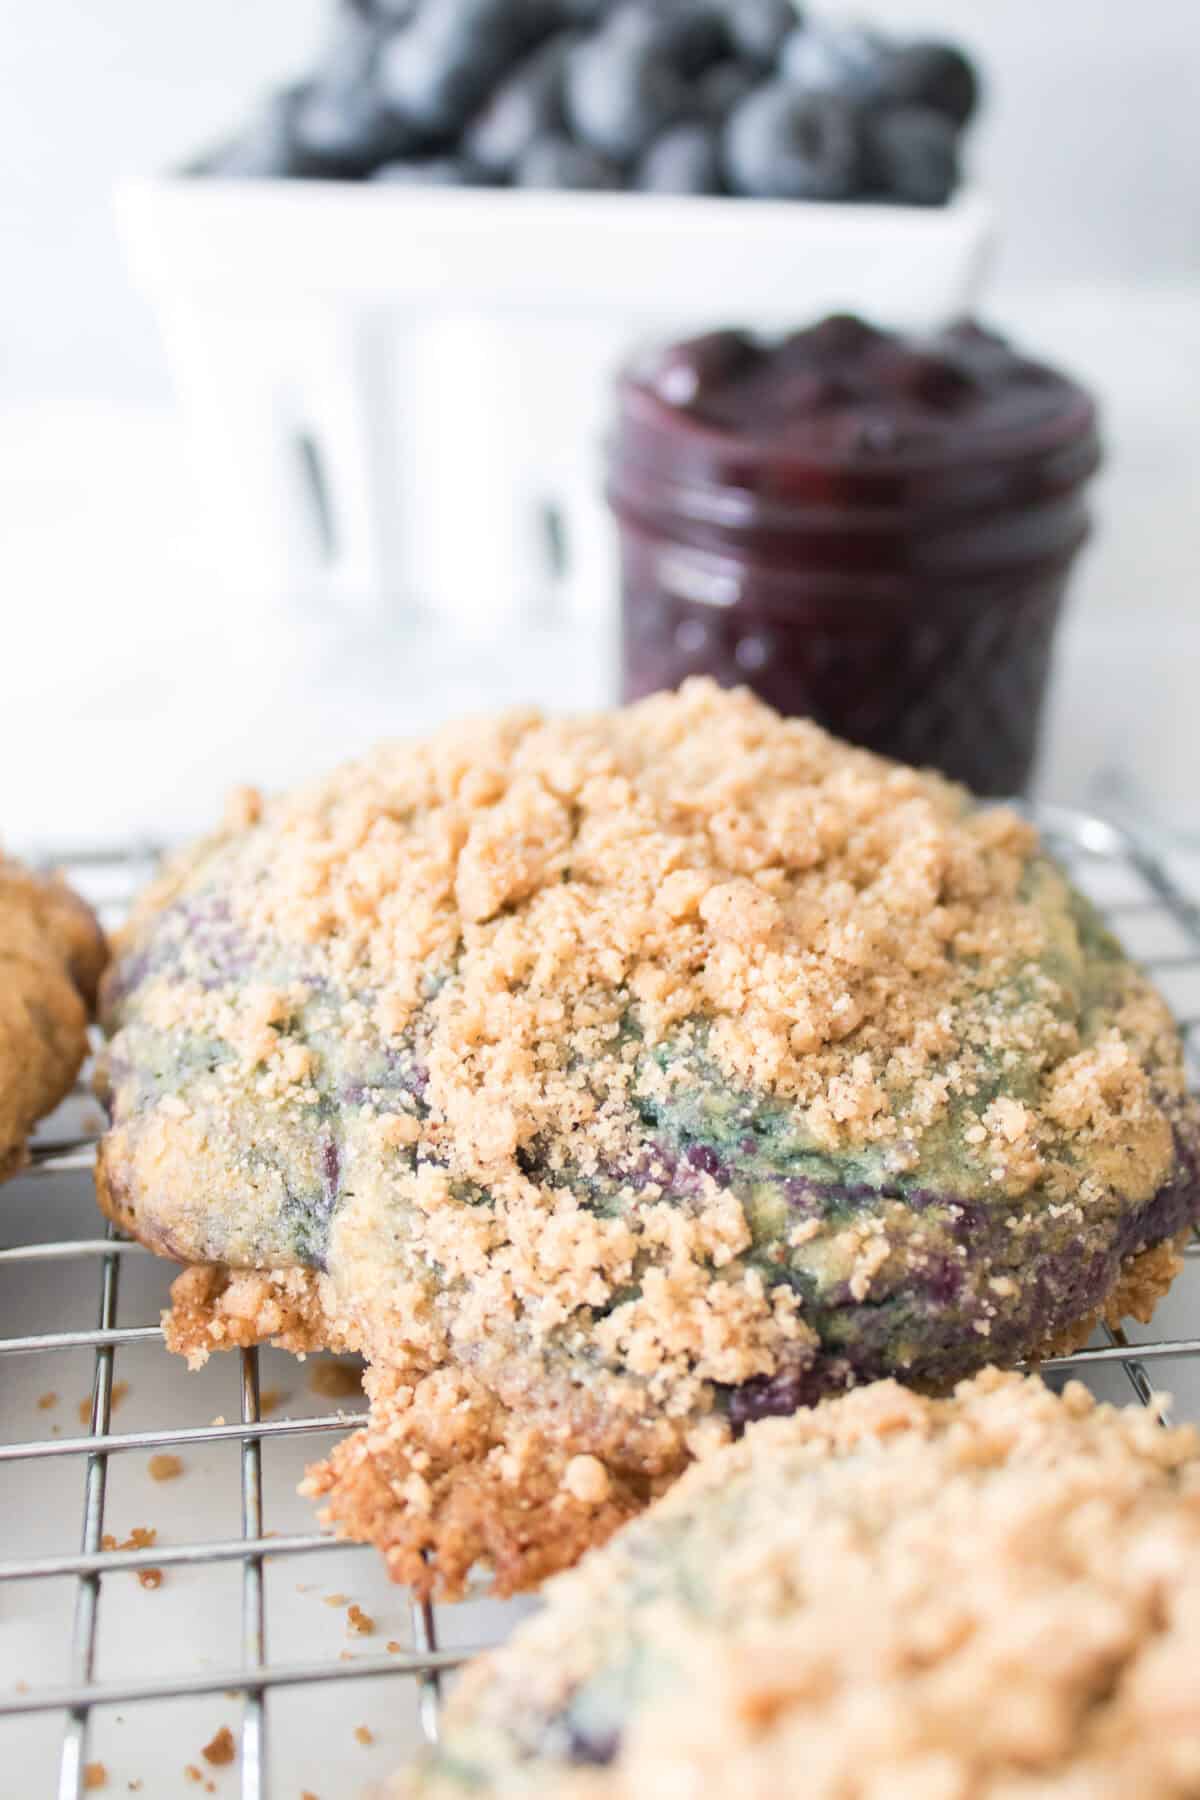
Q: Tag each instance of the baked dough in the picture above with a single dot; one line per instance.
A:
(51, 954)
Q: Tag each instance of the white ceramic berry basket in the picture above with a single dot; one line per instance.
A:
(398, 397)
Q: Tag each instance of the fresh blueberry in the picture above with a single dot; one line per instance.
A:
(621, 91)
(912, 153)
(526, 105)
(685, 159)
(721, 88)
(349, 134)
(347, 56)
(785, 145)
(835, 59)
(434, 72)
(693, 38)
(584, 12)
(391, 12)
(342, 122)
(937, 75)
(555, 161)
(266, 147)
(431, 171)
(758, 28)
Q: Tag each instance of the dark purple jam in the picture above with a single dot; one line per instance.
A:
(870, 530)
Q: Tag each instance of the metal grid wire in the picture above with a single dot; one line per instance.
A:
(1083, 843)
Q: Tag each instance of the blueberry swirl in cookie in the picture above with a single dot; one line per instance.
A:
(51, 954)
(613, 1082)
(992, 1597)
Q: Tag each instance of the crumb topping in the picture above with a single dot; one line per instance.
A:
(837, 922)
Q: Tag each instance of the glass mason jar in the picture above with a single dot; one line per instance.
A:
(871, 531)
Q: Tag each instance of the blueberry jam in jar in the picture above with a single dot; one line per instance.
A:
(870, 530)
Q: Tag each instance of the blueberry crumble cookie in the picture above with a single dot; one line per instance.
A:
(886, 1597)
(610, 1083)
(51, 954)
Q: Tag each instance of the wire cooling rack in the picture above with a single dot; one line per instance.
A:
(1147, 905)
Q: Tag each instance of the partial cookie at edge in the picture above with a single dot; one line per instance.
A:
(52, 952)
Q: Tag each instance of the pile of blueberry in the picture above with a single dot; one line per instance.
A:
(747, 97)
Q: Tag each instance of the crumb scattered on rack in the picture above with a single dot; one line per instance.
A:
(221, 1750)
(305, 1794)
(165, 1467)
(198, 1776)
(21, 1687)
(270, 1400)
(394, 1647)
(359, 1622)
(135, 1786)
(142, 1537)
(46, 1401)
(337, 1599)
(120, 1391)
(364, 1734)
(95, 1775)
(335, 1380)
(150, 1578)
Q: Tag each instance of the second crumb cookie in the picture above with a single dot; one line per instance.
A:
(994, 1597)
